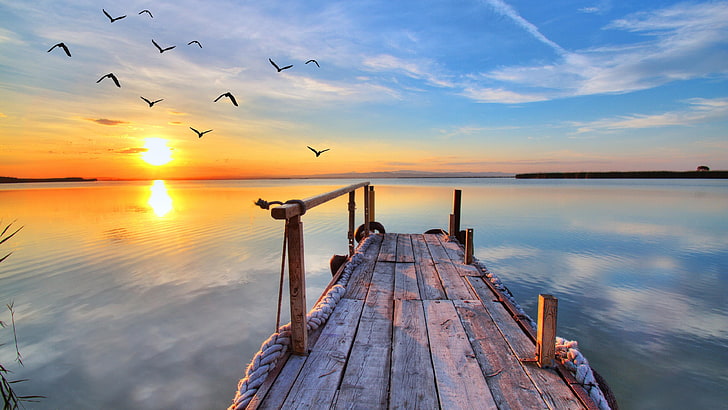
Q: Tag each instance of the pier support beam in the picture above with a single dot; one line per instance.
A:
(455, 215)
(469, 246)
(297, 286)
(546, 330)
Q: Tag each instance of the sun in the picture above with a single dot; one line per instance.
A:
(157, 152)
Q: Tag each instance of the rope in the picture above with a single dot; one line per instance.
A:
(283, 271)
(567, 352)
(263, 204)
(277, 344)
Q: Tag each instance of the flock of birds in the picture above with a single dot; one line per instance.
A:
(151, 103)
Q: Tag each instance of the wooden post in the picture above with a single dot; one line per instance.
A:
(455, 219)
(371, 203)
(297, 286)
(367, 217)
(352, 221)
(546, 331)
(469, 246)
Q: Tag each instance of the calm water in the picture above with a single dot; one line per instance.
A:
(141, 295)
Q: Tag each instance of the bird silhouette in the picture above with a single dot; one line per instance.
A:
(161, 50)
(63, 46)
(200, 134)
(278, 68)
(147, 11)
(228, 95)
(113, 19)
(113, 77)
(318, 152)
(194, 42)
(315, 62)
(151, 103)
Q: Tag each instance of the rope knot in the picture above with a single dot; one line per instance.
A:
(263, 204)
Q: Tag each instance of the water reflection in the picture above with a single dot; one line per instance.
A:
(159, 199)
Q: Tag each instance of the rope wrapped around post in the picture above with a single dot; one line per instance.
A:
(278, 343)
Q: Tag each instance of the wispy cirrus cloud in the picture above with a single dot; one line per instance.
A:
(681, 42)
(699, 110)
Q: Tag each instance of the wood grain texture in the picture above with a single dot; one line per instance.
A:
(460, 382)
(412, 376)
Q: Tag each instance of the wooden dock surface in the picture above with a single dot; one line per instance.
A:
(417, 328)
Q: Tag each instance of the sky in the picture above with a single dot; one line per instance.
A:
(439, 86)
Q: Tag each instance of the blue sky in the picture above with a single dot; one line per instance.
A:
(477, 86)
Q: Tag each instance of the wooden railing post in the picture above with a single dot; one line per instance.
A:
(367, 217)
(455, 215)
(371, 203)
(469, 246)
(546, 330)
(352, 221)
(297, 286)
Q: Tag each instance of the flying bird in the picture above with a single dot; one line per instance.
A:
(228, 95)
(151, 103)
(63, 46)
(147, 11)
(113, 77)
(200, 134)
(161, 50)
(318, 152)
(113, 19)
(194, 42)
(315, 62)
(278, 68)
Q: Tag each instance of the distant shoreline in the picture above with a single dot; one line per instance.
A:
(13, 180)
(627, 175)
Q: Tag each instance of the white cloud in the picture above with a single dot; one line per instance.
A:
(500, 95)
(699, 110)
(505, 9)
(680, 42)
(420, 69)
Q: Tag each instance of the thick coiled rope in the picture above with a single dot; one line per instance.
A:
(567, 352)
(277, 344)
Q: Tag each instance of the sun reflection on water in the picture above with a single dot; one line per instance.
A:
(159, 199)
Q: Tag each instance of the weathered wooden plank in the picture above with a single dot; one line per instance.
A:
(273, 392)
(366, 379)
(297, 285)
(439, 254)
(460, 382)
(316, 384)
(405, 281)
(362, 274)
(454, 285)
(547, 381)
(404, 248)
(508, 382)
(388, 251)
(413, 379)
(427, 277)
(455, 252)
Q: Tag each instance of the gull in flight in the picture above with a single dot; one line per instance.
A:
(200, 134)
(194, 42)
(228, 95)
(151, 103)
(63, 46)
(318, 152)
(147, 11)
(161, 50)
(113, 19)
(315, 62)
(113, 77)
(278, 68)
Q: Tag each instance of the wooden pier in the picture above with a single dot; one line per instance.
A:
(418, 327)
